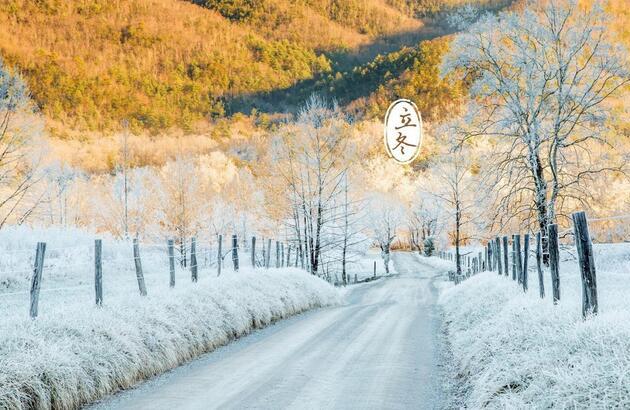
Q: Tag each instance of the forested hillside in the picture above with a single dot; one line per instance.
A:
(169, 63)
(190, 67)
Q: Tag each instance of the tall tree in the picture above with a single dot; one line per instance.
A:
(540, 82)
(19, 149)
(424, 219)
(456, 187)
(313, 159)
(385, 217)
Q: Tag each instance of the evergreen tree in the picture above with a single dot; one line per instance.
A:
(429, 246)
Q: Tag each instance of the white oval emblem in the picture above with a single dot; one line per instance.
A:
(403, 131)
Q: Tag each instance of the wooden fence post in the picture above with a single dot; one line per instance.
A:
(554, 260)
(268, 262)
(253, 252)
(497, 246)
(587, 264)
(288, 256)
(282, 254)
(479, 262)
(139, 275)
(193, 259)
(36, 281)
(277, 254)
(219, 255)
(497, 255)
(541, 284)
(505, 256)
(519, 258)
(171, 262)
(486, 264)
(525, 259)
(374, 274)
(235, 252)
(98, 272)
(489, 253)
(264, 253)
(513, 257)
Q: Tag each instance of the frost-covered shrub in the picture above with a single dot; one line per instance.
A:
(428, 247)
(74, 353)
(518, 351)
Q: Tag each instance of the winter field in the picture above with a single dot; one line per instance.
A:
(514, 350)
(74, 352)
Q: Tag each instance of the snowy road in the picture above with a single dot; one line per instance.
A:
(378, 350)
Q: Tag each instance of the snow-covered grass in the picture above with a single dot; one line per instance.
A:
(74, 352)
(518, 351)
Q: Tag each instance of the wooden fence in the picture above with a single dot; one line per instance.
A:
(259, 259)
(514, 261)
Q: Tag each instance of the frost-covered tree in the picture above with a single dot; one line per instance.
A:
(540, 80)
(312, 159)
(455, 187)
(428, 246)
(424, 220)
(386, 215)
(117, 214)
(347, 225)
(20, 149)
(59, 180)
(182, 202)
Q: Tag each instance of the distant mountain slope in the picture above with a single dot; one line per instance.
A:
(160, 63)
(165, 63)
(318, 24)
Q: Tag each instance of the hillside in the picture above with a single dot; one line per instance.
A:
(167, 64)
(164, 63)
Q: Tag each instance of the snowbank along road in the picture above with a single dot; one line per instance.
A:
(378, 350)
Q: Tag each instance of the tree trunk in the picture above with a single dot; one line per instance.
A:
(386, 256)
(540, 200)
(458, 263)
